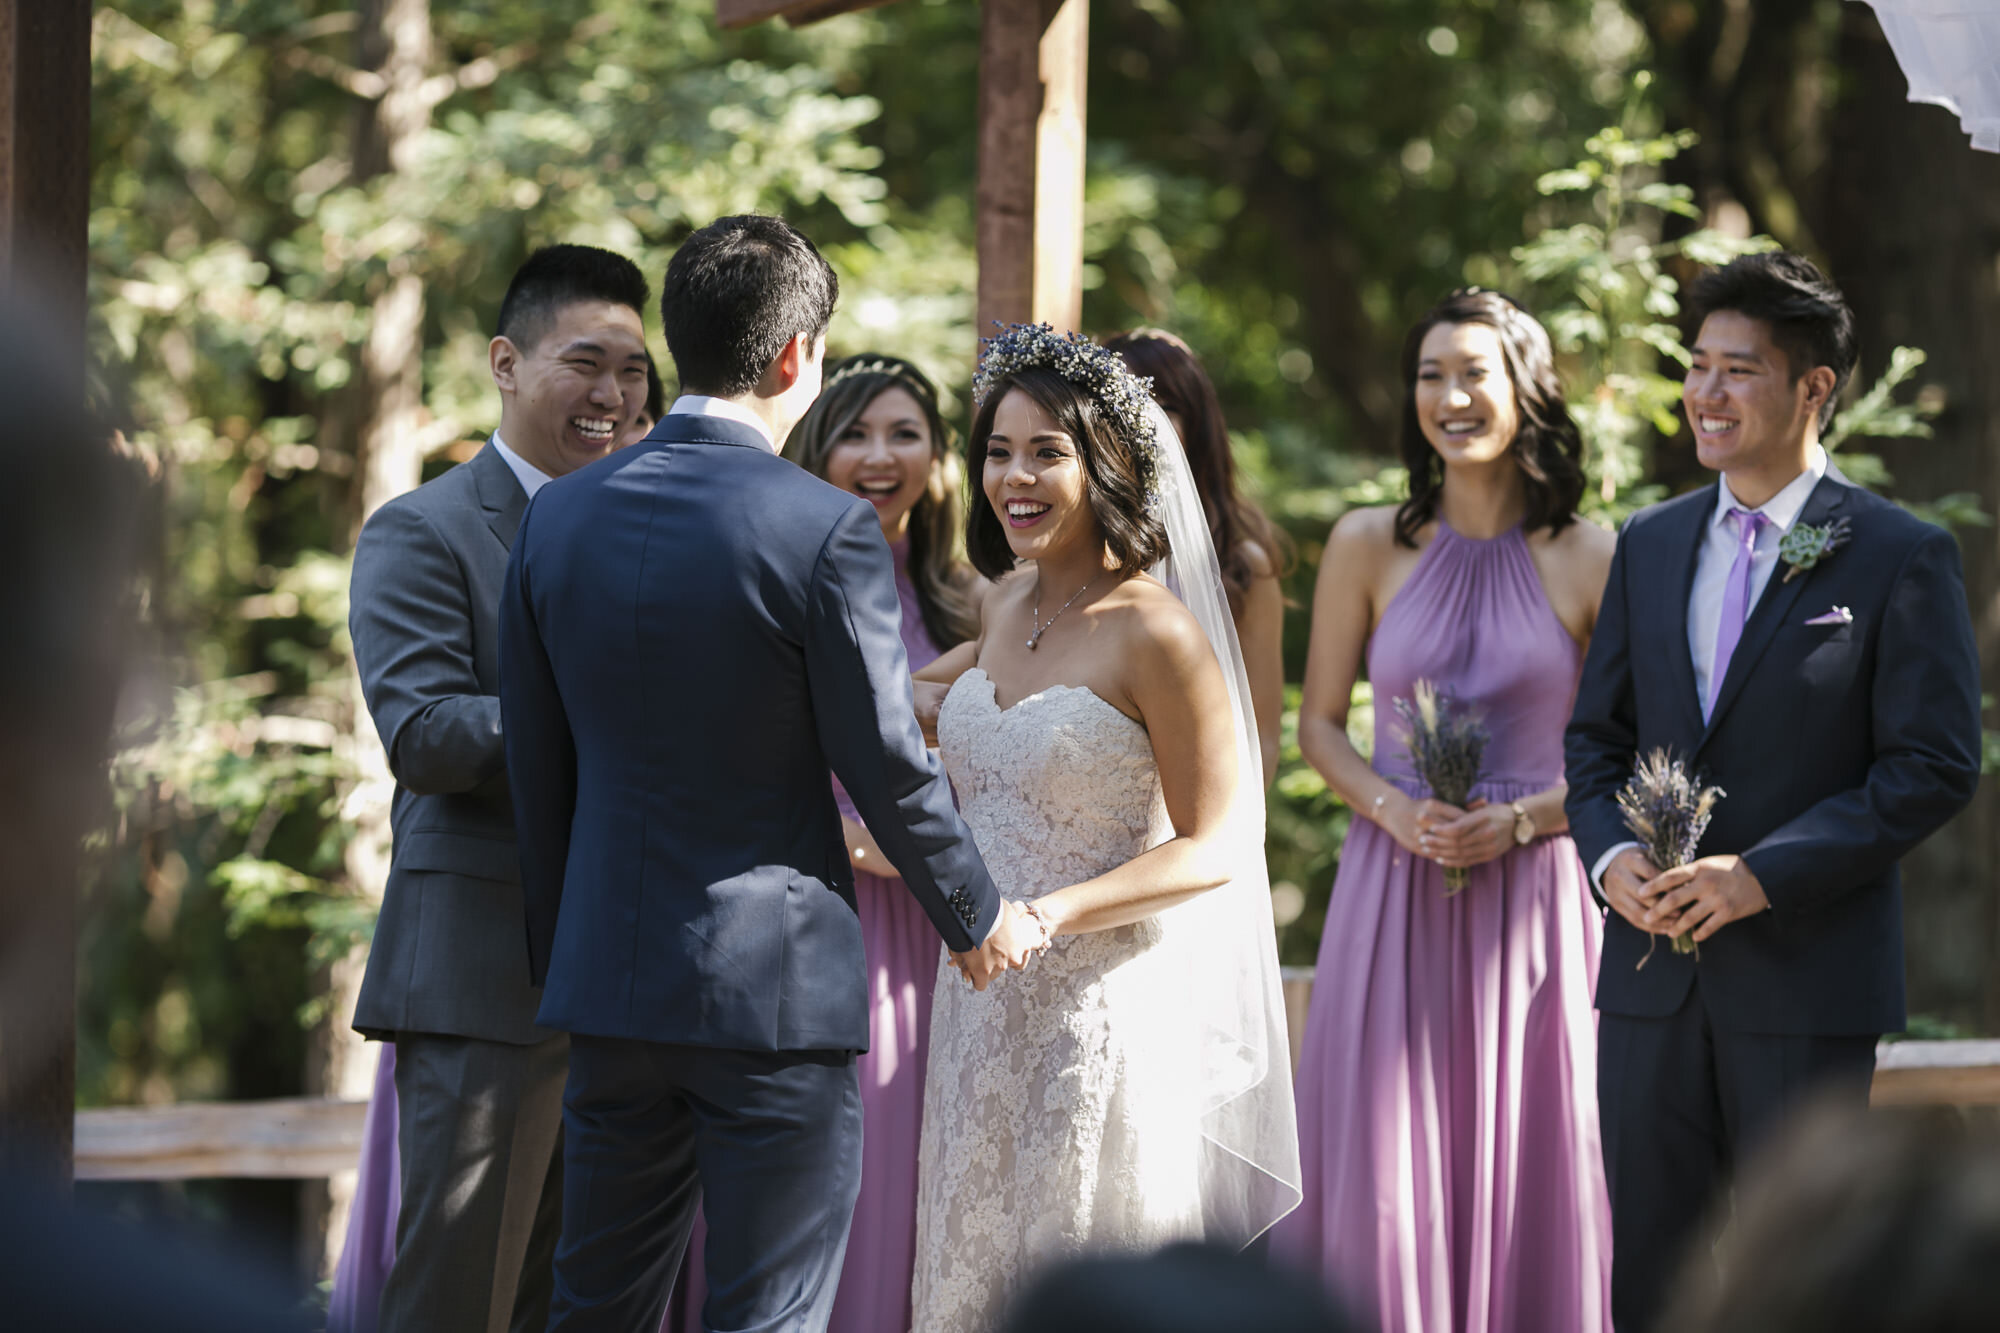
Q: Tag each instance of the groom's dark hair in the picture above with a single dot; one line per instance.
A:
(559, 275)
(735, 293)
(1808, 317)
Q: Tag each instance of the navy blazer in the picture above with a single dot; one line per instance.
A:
(1840, 747)
(693, 631)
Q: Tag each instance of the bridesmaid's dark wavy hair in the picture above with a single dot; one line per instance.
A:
(1181, 385)
(1112, 486)
(1548, 446)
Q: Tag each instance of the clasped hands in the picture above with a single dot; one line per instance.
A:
(1454, 838)
(1700, 897)
(1017, 937)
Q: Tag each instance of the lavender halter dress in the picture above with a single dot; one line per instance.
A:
(874, 1296)
(1447, 1090)
(902, 948)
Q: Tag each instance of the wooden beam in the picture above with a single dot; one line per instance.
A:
(796, 13)
(44, 213)
(1033, 62)
(287, 1137)
(309, 1137)
(1937, 1073)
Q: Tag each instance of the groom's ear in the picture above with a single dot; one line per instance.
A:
(790, 365)
(505, 359)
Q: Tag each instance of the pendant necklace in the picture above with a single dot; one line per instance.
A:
(1040, 628)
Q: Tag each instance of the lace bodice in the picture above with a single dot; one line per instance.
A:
(1057, 788)
(1054, 1118)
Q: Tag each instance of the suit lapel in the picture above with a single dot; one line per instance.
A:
(1826, 502)
(500, 494)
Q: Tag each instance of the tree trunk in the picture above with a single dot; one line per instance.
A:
(396, 42)
(1912, 232)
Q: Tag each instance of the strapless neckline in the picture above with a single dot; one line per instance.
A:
(1045, 693)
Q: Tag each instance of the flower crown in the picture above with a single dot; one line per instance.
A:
(1125, 397)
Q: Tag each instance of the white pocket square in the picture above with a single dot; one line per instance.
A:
(1838, 615)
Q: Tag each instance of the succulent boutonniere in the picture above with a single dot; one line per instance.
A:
(1809, 543)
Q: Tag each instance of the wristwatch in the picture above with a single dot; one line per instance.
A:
(1524, 825)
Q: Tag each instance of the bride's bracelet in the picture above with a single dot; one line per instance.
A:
(1048, 935)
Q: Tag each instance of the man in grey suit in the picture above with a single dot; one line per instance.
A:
(479, 1084)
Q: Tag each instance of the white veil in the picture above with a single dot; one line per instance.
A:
(1250, 1173)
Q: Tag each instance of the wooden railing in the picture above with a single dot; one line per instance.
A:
(310, 1138)
(301, 1137)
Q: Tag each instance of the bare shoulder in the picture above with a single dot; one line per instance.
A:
(1584, 546)
(1153, 624)
(1361, 550)
(1257, 559)
(1364, 534)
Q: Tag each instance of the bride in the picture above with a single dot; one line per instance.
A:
(1132, 1086)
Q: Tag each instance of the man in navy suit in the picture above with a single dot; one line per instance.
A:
(692, 632)
(1835, 700)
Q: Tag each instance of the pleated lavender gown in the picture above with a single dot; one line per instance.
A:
(1447, 1090)
(353, 1305)
(902, 949)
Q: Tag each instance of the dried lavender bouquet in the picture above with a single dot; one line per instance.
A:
(1667, 809)
(1446, 742)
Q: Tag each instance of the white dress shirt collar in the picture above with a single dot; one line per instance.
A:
(697, 405)
(532, 478)
(1781, 509)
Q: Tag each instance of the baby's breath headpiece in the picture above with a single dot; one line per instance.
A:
(1125, 397)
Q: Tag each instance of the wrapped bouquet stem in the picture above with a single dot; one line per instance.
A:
(1667, 809)
(1447, 743)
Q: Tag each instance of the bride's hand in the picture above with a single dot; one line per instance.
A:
(1410, 821)
(1017, 936)
(930, 698)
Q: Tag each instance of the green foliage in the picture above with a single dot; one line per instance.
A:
(243, 226)
(1306, 826)
(1605, 288)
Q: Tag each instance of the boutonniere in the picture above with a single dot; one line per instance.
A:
(1809, 543)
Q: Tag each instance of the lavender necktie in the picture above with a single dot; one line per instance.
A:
(1735, 602)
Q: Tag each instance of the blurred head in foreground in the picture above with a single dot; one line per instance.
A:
(68, 537)
(1883, 1222)
(1181, 1289)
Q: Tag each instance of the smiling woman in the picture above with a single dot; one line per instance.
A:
(1448, 1126)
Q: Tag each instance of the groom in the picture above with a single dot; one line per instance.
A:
(1835, 700)
(691, 633)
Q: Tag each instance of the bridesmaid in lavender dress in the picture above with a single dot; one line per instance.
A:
(876, 431)
(1447, 1089)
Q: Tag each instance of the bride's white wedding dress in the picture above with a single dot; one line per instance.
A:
(1061, 1114)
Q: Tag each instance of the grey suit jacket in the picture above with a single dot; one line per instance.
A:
(449, 956)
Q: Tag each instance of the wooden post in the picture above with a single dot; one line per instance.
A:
(1033, 61)
(44, 208)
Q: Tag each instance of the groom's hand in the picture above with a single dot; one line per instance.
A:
(1704, 896)
(1629, 885)
(1015, 937)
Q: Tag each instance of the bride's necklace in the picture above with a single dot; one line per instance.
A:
(1040, 628)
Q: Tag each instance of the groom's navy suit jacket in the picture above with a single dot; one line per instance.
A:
(692, 632)
(1840, 747)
